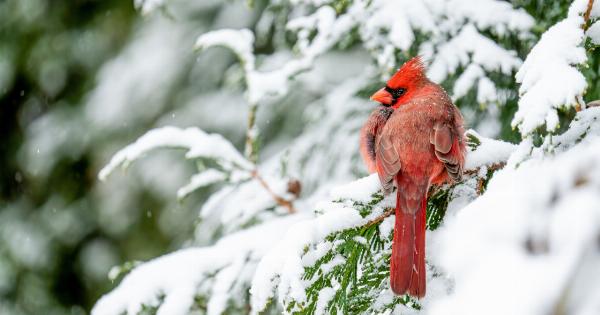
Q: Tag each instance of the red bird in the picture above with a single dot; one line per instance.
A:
(414, 140)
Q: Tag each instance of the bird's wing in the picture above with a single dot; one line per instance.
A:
(447, 149)
(387, 161)
(369, 133)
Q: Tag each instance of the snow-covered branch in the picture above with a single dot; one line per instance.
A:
(219, 274)
(549, 76)
(197, 143)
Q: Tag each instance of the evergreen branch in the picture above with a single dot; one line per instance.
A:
(494, 167)
(438, 189)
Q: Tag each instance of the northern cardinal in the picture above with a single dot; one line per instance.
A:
(415, 139)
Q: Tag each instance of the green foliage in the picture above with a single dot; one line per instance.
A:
(359, 250)
(437, 203)
(118, 272)
(472, 141)
(355, 268)
(151, 309)
(592, 73)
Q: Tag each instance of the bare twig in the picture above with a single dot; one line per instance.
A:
(470, 173)
(586, 15)
(494, 167)
(481, 181)
(434, 189)
(251, 153)
(586, 24)
(280, 200)
(595, 103)
(385, 214)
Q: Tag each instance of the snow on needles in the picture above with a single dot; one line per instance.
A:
(275, 83)
(178, 278)
(202, 179)
(197, 142)
(471, 46)
(499, 16)
(281, 272)
(532, 235)
(549, 77)
(240, 41)
(594, 33)
(282, 268)
(488, 152)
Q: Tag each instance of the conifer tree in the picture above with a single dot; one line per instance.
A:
(500, 241)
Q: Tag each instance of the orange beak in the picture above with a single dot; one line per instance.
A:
(382, 96)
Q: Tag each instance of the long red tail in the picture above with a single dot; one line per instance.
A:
(407, 265)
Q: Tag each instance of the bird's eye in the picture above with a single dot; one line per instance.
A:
(396, 93)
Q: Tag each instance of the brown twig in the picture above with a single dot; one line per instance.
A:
(385, 214)
(434, 189)
(481, 181)
(586, 15)
(595, 103)
(280, 200)
(494, 167)
(586, 24)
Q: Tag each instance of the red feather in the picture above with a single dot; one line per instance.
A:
(419, 144)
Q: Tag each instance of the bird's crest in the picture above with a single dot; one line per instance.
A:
(412, 71)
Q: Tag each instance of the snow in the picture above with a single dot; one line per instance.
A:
(584, 124)
(595, 9)
(401, 18)
(319, 251)
(467, 80)
(325, 295)
(281, 269)
(359, 190)
(582, 129)
(199, 180)
(336, 261)
(178, 275)
(240, 41)
(240, 206)
(499, 16)
(261, 84)
(471, 46)
(454, 38)
(238, 202)
(557, 53)
(516, 233)
(490, 151)
(594, 33)
(197, 142)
